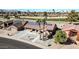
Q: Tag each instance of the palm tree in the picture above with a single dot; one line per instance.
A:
(44, 22)
(7, 16)
(53, 11)
(39, 21)
(2, 13)
(28, 12)
(45, 15)
(16, 16)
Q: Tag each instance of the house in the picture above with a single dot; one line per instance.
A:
(35, 25)
(71, 30)
(8, 23)
(19, 24)
(1, 24)
(11, 30)
(51, 27)
(15, 27)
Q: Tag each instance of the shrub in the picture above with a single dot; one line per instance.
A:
(60, 37)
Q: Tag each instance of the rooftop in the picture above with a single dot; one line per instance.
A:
(70, 27)
(35, 25)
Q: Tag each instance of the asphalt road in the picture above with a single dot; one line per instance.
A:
(13, 44)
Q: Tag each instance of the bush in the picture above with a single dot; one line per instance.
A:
(60, 37)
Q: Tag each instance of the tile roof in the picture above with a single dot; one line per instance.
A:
(34, 25)
(70, 27)
(17, 23)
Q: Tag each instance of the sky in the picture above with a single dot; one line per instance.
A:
(40, 5)
(47, 10)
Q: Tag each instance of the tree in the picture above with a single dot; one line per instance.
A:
(60, 37)
(28, 12)
(44, 22)
(2, 12)
(19, 12)
(53, 11)
(39, 21)
(34, 13)
(16, 16)
(7, 16)
(73, 16)
(45, 15)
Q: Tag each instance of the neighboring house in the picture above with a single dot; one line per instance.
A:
(51, 27)
(1, 24)
(13, 27)
(8, 23)
(71, 30)
(19, 24)
(12, 30)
